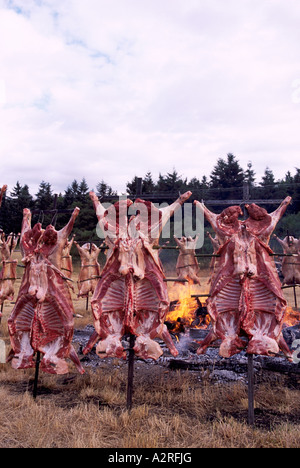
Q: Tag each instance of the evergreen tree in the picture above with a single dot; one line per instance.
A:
(131, 187)
(171, 182)
(68, 198)
(296, 191)
(174, 182)
(161, 183)
(268, 185)
(44, 197)
(16, 191)
(194, 185)
(226, 179)
(148, 184)
(83, 190)
(74, 189)
(268, 178)
(104, 190)
(249, 175)
(20, 199)
(204, 183)
(227, 173)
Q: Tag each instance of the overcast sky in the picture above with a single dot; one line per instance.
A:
(110, 89)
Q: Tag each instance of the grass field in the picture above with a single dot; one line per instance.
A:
(171, 409)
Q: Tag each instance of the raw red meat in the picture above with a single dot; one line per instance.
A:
(246, 299)
(90, 269)
(291, 264)
(131, 296)
(66, 261)
(42, 319)
(187, 267)
(8, 274)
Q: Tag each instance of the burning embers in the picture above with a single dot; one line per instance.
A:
(291, 318)
(186, 312)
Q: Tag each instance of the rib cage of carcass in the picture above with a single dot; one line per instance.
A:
(246, 304)
(43, 317)
(131, 297)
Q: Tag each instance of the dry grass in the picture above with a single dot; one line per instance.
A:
(170, 409)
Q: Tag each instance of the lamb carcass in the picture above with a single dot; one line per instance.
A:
(291, 264)
(8, 274)
(131, 297)
(187, 267)
(42, 319)
(89, 270)
(245, 294)
(66, 260)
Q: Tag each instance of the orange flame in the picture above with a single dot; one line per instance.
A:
(292, 317)
(184, 314)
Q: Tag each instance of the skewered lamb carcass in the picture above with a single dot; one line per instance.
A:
(8, 274)
(66, 260)
(187, 267)
(290, 266)
(246, 299)
(89, 270)
(42, 319)
(131, 297)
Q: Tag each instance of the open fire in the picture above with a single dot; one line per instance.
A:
(292, 317)
(186, 312)
(189, 312)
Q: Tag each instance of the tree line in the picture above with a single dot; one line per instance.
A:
(227, 181)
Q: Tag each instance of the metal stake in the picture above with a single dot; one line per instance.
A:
(36, 376)
(250, 390)
(130, 371)
(295, 296)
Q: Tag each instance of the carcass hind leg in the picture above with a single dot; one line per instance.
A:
(91, 343)
(146, 348)
(75, 359)
(210, 338)
(111, 346)
(166, 337)
(227, 327)
(110, 330)
(264, 334)
(23, 356)
(51, 362)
